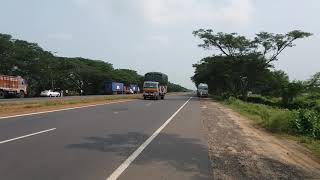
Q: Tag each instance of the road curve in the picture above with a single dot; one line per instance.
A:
(93, 142)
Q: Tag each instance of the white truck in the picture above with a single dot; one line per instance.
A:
(202, 90)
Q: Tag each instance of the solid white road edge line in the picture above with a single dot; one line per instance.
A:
(115, 175)
(28, 135)
(57, 110)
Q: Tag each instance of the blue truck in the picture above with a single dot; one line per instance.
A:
(113, 88)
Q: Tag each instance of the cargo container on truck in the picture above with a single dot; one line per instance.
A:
(155, 85)
(12, 85)
(114, 88)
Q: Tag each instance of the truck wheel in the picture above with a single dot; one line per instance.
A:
(21, 94)
(162, 97)
(2, 94)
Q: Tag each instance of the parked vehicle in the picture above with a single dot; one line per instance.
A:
(11, 85)
(129, 91)
(202, 90)
(155, 85)
(135, 88)
(114, 88)
(50, 93)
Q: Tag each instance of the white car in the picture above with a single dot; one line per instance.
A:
(49, 93)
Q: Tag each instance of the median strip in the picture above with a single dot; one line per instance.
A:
(65, 109)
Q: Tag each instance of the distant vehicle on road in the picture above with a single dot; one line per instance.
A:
(202, 90)
(128, 90)
(12, 85)
(135, 88)
(155, 85)
(114, 88)
(50, 93)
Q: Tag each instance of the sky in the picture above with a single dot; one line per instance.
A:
(156, 35)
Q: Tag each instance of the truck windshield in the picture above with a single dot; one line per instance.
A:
(150, 85)
(203, 88)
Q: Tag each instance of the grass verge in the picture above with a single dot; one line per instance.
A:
(276, 120)
(13, 108)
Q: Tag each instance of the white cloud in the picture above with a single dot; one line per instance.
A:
(60, 36)
(167, 12)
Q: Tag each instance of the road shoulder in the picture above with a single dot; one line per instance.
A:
(238, 150)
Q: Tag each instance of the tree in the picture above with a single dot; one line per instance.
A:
(176, 88)
(268, 45)
(313, 84)
(43, 70)
(292, 90)
(243, 64)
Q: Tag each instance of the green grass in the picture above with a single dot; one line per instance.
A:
(274, 119)
(310, 143)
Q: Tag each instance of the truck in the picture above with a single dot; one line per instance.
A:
(135, 88)
(155, 85)
(202, 90)
(12, 86)
(114, 88)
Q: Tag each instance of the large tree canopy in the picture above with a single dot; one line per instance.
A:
(243, 64)
(268, 45)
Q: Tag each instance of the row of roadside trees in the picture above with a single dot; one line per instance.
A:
(43, 70)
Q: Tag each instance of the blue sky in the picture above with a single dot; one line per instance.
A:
(155, 35)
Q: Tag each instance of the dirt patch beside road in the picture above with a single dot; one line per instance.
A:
(238, 150)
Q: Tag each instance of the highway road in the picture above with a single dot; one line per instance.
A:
(136, 139)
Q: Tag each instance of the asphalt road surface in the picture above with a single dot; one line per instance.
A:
(130, 140)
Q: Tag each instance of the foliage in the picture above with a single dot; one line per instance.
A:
(43, 70)
(266, 44)
(274, 119)
(229, 76)
(176, 88)
(290, 91)
(313, 84)
(244, 64)
(302, 125)
(297, 122)
(307, 122)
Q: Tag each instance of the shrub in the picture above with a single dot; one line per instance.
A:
(302, 122)
(280, 120)
(307, 122)
(274, 119)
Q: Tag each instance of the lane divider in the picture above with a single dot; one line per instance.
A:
(66, 109)
(28, 135)
(115, 175)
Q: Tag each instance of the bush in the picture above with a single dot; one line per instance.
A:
(301, 103)
(274, 119)
(280, 121)
(307, 122)
(263, 100)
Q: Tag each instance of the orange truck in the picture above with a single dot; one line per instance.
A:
(12, 85)
(155, 85)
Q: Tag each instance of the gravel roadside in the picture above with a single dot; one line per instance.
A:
(238, 150)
